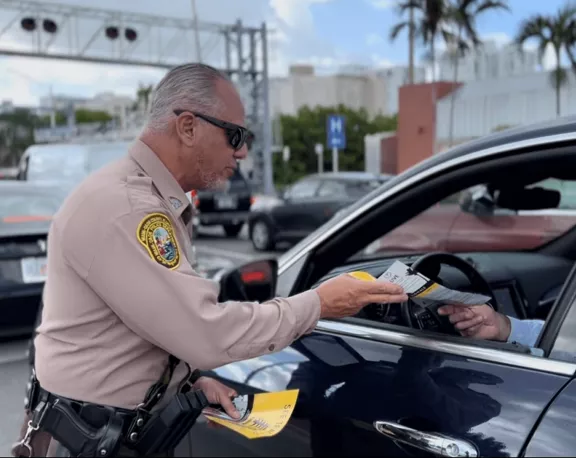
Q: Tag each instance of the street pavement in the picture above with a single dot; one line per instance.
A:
(213, 249)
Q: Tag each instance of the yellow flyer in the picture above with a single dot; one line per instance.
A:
(262, 414)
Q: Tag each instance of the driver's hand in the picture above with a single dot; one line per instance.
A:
(478, 322)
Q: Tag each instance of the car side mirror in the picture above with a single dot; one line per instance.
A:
(253, 281)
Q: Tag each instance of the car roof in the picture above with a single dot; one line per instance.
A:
(557, 126)
(356, 176)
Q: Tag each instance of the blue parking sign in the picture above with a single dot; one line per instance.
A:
(336, 132)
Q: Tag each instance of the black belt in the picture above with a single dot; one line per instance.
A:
(96, 415)
(88, 429)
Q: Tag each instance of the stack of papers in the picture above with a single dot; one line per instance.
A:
(262, 414)
(426, 291)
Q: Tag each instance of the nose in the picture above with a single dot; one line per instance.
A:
(242, 153)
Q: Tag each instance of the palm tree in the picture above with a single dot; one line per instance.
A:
(410, 25)
(463, 14)
(143, 95)
(557, 31)
(430, 25)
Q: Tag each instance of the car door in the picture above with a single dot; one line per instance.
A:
(293, 217)
(361, 389)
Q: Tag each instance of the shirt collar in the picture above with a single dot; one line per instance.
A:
(162, 178)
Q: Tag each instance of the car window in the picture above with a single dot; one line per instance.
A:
(12, 205)
(303, 189)
(567, 191)
(102, 155)
(451, 226)
(330, 188)
(52, 164)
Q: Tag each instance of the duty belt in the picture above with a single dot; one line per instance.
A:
(87, 429)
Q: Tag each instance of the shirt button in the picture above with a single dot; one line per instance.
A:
(272, 347)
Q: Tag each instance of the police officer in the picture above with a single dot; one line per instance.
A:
(127, 322)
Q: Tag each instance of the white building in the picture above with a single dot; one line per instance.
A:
(354, 86)
(303, 88)
(490, 61)
(115, 105)
(481, 107)
(396, 77)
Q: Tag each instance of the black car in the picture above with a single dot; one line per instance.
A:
(228, 207)
(26, 211)
(398, 380)
(306, 205)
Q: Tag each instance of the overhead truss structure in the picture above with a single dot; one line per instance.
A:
(56, 31)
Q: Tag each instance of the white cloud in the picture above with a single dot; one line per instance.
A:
(293, 39)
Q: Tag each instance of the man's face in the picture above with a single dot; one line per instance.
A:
(215, 159)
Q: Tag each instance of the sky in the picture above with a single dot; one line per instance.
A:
(326, 33)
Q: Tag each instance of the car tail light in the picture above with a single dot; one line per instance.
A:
(252, 200)
(194, 199)
(25, 218)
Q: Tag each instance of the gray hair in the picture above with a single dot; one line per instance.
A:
(189, 86)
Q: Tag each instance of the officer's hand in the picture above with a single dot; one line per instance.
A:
(218, 393)
(345, 295)
(478, 322)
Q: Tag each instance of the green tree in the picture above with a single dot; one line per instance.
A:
(302, 132)
(558, 31)
(143, 95)
(88, 116)
(410, 24)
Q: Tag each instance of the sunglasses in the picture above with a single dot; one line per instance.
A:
(237, 135)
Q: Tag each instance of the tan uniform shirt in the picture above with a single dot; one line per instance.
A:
(121, 293)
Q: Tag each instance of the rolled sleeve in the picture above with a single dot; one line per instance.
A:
(178, 310)
(525, 332)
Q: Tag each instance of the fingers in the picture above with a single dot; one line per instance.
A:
(386, 298)
(472, 331)
(226, 403)
(382, 287)
(476, 321)
(447, 310)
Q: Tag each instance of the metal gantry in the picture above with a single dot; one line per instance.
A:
(56, 31)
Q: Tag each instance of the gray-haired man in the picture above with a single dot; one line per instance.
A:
(122, 303)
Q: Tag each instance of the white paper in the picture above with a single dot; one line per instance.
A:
(419, 287)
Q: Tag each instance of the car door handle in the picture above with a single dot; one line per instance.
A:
(438, 444)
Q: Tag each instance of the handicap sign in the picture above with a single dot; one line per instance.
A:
(336, 131)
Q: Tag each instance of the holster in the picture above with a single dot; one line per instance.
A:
(91, 430)
(167, 427)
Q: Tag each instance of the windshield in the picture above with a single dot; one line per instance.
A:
(14, 208)
(101, 155)
(468, 222)
(57, 163)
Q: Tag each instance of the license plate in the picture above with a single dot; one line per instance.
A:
(226, 202)
(34, 270)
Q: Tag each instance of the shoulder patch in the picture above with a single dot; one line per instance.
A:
(156, 233)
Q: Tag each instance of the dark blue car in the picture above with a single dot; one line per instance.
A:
(397, 379)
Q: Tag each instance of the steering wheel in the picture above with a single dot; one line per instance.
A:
(427, 318)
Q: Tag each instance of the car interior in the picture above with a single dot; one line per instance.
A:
(522, 283)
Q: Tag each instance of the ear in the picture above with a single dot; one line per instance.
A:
(186, 125)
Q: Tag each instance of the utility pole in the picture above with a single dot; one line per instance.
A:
(196, 32)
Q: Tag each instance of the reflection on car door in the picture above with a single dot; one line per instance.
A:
(502, 230)
(347, 384)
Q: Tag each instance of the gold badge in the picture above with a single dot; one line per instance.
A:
(156, 233)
